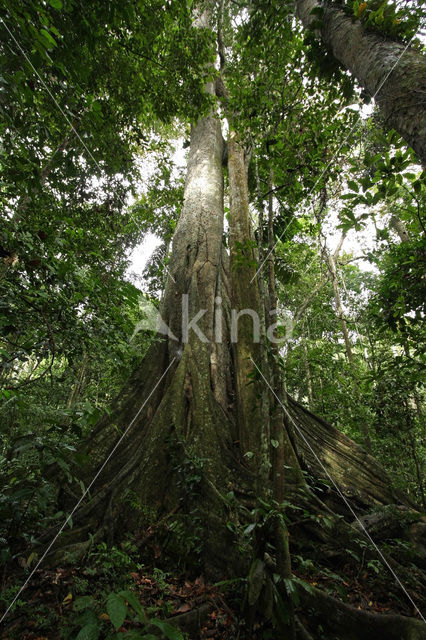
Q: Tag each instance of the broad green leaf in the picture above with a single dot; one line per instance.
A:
(117, 609)
(170, 632)
(48, 37)
(88, 632)
(134, 603)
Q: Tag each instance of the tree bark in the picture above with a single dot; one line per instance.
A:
(400, 228)
(245, 301)
(78, 384)
(394, 75)
(307, 374)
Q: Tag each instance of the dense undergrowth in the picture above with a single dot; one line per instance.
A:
(136, 590)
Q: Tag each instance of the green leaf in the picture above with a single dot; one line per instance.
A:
(417, 186)
(377, 196)
(83, 602)
(305, 585)
(48, 37)
(281, 608)
(117, 609)
(88, 632)
(170, 632)
(56, 4)
(134, 603)
(291, 589)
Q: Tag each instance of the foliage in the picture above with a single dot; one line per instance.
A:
(71, 136)
(396, 19)
(100, 600)
(384, 320)
(119, 607)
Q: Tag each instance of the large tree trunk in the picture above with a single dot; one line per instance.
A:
(394, 76)
(196, 403)
(176, 406)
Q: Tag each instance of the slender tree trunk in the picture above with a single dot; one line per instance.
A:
(286, 464)
(395, 76)
(245, 301)
(248, 357)
(78, 384)
(266, 400)
(348, 345)
(339, 308)
(307, 373)
(286, 470)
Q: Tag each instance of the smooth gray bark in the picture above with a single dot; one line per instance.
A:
(197, 243)
(394, 75)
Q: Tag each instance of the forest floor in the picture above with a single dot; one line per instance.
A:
(75, 602)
